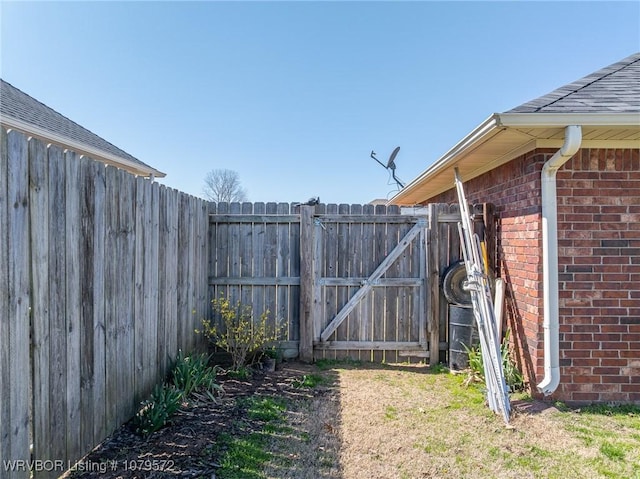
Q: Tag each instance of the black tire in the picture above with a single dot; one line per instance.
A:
(453, 282)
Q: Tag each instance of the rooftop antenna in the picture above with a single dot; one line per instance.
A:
(391, 165)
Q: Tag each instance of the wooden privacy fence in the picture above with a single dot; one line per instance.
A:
(339, 280)
(103, 278)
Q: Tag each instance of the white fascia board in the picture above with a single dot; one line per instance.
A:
(81, 148)
(550, 120)
(480, 134)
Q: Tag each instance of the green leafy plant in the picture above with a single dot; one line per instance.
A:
(239, 333)
(512, 375)
(241, 373)
(309, 381)
(273, 353)
(193, 376)
(156, 411)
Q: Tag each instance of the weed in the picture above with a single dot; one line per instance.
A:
(309, 381)
(244, 457)
(264, 408)
(612, 451)
(438, 368)
(613, 410)
(391, 413)
(560, 406)
(325, 363)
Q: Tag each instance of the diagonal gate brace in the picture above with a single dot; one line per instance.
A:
(368, 283)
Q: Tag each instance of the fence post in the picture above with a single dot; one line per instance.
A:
(433, 271)
(306, 283)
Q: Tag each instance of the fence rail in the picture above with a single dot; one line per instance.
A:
(107, 274)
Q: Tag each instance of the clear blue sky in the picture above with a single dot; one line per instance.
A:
(295, 95)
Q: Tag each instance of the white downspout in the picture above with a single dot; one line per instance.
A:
(572, 141)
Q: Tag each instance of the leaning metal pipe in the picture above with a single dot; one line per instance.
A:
(551, 323)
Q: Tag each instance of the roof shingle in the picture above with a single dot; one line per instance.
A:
(615, 88)
(17, 105)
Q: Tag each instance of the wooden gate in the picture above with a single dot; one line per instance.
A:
(369, 288)
(357, 281)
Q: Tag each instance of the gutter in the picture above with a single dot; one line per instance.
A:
(480, 134)
(551, 324)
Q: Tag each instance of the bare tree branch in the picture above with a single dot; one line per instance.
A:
(223, 185)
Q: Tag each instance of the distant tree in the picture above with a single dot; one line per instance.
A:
(223, 185)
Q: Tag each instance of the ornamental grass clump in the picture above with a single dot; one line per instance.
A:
(194, 377)
(156, 412)
(191, 378)
(238, 331)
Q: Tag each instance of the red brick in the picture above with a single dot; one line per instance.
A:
(578, 337)
(610, 388)
(585, 397)
(578, 353)
(615, 379)
(606, 371)
(583, 378)
(613, 361)
(614, 345)
(612, 397)
(606, 354)
(630, 354)
(586, 345)
(611, 328)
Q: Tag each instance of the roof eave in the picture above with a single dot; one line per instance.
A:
(550, 120)
(478, 135)
(503, 121)
(83, 149)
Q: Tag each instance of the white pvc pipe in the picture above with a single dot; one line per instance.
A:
(551, 324)
(498, 302)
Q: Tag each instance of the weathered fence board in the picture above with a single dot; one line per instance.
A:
(14, 282)
(39, 205)
(5, 351)
(57, 413)
(90, 259)
(72, 301)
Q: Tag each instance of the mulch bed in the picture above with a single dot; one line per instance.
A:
(187, 447)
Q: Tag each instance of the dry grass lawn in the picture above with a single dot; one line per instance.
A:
(404, 421)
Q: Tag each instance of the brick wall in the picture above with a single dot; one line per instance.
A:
(599, 267)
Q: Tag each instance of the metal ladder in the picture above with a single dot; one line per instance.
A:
(483, 310)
